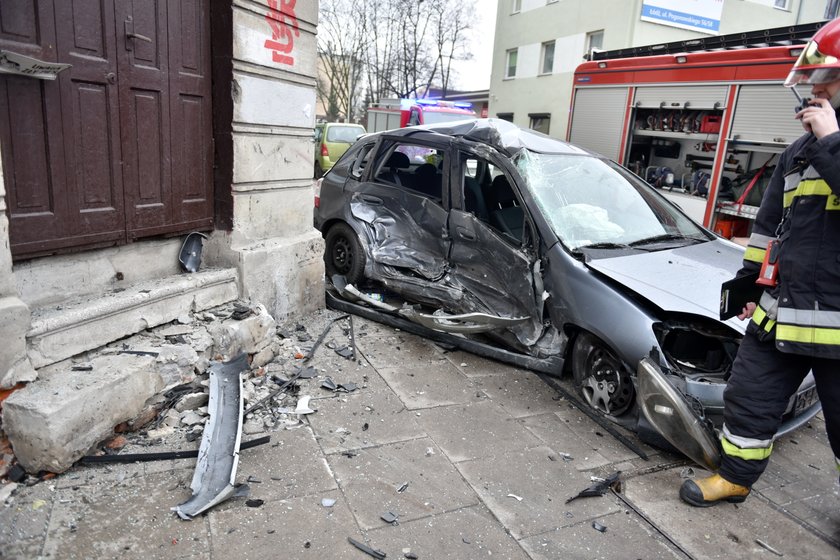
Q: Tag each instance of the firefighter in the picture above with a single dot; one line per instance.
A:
(795, 326)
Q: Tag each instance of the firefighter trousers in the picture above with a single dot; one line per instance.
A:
(763, 380)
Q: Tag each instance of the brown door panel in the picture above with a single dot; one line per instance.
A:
(120, 145)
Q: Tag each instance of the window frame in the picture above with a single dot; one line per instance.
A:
(543, 52)
(515, 53)
(505, 117)
(589, 36)
(515, 6)
(541, 117)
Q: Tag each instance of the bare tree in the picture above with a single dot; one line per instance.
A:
(398, 48)
(341, 49)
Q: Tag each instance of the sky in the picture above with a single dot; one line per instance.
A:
(475, 74)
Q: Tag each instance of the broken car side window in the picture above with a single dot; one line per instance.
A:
(487, 193)
(414, 167)
(361, 161)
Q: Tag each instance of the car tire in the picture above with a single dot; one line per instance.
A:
(600, 378)
(318, 171)
(343, 254)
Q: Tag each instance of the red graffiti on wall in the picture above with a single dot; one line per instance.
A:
(281, 15)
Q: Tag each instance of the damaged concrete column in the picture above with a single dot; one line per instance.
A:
(14, 313)
(272, 105)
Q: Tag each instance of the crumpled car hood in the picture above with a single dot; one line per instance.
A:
(684, 280)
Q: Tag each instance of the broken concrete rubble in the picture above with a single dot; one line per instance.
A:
(56, 419)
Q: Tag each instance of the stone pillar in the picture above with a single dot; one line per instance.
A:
(14, 314)
(273, 242)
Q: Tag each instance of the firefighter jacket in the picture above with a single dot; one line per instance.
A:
(801, 208)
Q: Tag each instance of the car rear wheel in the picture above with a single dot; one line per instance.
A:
(318, 171)
(343, 254)
(600, 378)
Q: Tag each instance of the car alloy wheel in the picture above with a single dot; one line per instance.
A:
(600, 378)
(343, 254)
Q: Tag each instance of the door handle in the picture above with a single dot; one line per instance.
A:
(130, 35)
(465, 233)
(138, 36)
(375, 200)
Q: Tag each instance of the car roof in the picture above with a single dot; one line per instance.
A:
(500, 134)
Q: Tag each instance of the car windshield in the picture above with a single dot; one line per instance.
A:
(344, 133)
(592, 202)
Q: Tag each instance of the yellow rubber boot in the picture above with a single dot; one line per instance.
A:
(712, 490)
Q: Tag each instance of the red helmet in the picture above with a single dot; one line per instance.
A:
(819, 63)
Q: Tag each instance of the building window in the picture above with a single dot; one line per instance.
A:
(594, 40)
(540, 122)
(505, 116)
(510, 69)
(781, 4)
(547, 65)
(515, 6)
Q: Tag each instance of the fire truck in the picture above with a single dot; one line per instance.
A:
(706, 117)
(399, 113)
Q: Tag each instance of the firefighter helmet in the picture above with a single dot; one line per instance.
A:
(819, 63)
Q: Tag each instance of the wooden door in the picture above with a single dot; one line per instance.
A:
(119, 147)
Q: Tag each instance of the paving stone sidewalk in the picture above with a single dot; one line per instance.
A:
(476, 460)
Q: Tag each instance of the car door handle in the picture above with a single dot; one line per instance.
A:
(375, 200)
(465, 233)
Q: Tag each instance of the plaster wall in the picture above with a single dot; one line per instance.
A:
(273, 243)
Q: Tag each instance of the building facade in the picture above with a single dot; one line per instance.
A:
(539, 43)
(124, 127)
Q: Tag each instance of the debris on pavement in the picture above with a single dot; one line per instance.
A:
(254, 503)
(162, 455)
(402, 488)
(598, 527)
(517, 498)
(390, 517)
(328, 502)
(215, 472)
(767, 547)
(600, 487)
(366, 549)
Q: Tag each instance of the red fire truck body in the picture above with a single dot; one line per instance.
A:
(399, 113)
(701, 122)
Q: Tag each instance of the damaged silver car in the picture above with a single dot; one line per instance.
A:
(520, 247)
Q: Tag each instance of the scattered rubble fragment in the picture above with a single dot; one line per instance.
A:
(600, 487)
(366, 549)
(598, 527)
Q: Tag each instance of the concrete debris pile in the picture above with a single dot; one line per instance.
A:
(154, 385)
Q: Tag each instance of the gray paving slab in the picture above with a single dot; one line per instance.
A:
(387, 347)
(291, 465)
(363, 418)
(624, 536)
(431, 384)
(298, 528)
(543, 485)
(466, 534)
(370, 482)
(574, 439)
(130, 519)
(726, 530)
(473, 365)
(24, 522)
(483, 428)
(520, 393)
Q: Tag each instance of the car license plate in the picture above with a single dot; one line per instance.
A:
(804, 400)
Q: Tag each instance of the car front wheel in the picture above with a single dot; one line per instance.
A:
(343, 254)
(600, 378)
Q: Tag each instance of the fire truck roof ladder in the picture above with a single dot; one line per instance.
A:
(779, 36)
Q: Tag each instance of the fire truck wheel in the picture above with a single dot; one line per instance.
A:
(600, 378)
(343, 254)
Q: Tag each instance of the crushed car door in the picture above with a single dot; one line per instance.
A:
(405, 218)
(492, 254)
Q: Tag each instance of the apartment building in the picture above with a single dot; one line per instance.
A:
(539, 43)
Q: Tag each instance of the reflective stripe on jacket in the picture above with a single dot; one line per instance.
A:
(804, 307)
